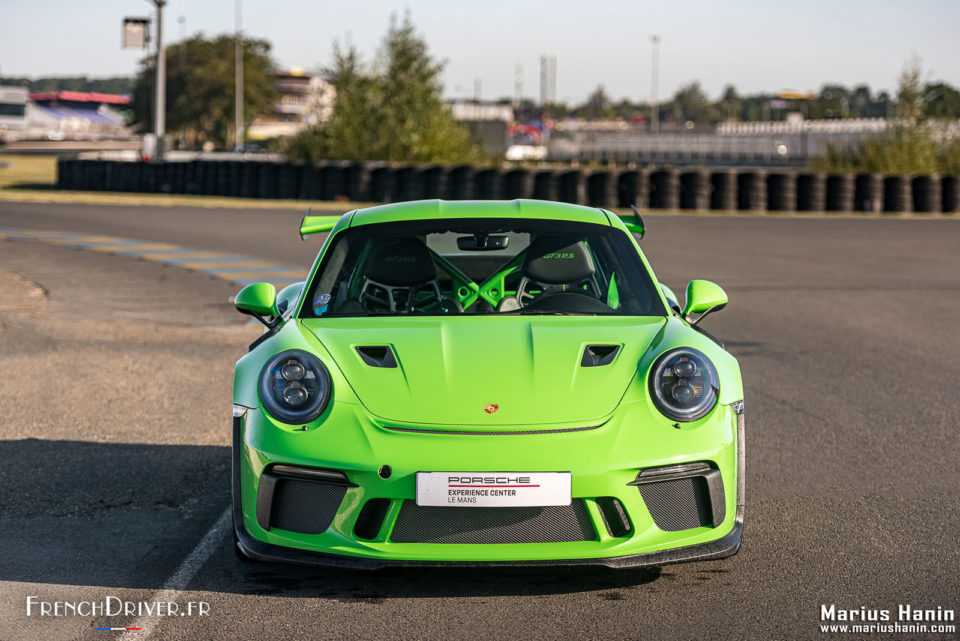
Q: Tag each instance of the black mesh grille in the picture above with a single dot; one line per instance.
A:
(303, 506)
(555, 524)
(679, 504)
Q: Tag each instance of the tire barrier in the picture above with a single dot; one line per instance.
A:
(868, 193)
(288, 181)
(665, 189)
(486, 183)
(311, 182)
(840, 192)
(334, 184)
(950, 199)
(724, 190)
(404, 184)
(148, 177)
(695, 190)
(781, 192)
(379, 189)
(571, 187)
(723, 195)
(926, 193)
(268, 180)
(752, 191)
(811, 192)
(633, 188)
(460, 182)
(602, 189)
(433, 181)
(545, 185)
(250, 183)
(516, 183)
(897, 194)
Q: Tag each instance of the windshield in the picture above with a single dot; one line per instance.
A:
(481, 266)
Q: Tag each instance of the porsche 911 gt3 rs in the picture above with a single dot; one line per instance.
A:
(484, 382)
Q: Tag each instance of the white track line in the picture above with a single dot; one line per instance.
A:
(180, 579)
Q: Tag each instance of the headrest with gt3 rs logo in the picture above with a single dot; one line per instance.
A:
(406, 263)
(554, 260)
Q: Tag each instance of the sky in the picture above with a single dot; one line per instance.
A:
(757, 46)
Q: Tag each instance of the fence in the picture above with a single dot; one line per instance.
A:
(666, 188)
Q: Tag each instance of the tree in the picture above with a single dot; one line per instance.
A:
(691, 103)
(912, 145)
(941, 101)
(910, 91)
(390, 110)
(730, 106)
(598, 104)
(201, 92)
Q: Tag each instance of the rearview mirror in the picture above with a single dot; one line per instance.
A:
(703, 297)
(260, 301)
(482, 243)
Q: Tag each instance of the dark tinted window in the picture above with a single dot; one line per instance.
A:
(481, 267)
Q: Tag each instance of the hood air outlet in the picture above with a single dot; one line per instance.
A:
(377, 355)
(599, 355)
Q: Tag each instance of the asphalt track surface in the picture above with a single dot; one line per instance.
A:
(115, 379)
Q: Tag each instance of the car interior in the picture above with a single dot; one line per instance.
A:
(481, 269)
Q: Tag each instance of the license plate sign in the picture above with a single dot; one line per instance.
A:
(493, 489)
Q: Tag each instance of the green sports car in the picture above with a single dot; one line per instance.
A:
(483, 383)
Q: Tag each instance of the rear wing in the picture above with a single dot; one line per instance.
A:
(316, 224)
(634, 222)
(319, 224)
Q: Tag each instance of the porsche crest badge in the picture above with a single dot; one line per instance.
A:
(491, 408)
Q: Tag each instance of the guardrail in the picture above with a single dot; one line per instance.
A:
(666, 188)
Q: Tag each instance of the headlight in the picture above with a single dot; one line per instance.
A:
(684, 384)
(294, 387)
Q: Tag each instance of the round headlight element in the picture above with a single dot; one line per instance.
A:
(294, 387)
(684, 384)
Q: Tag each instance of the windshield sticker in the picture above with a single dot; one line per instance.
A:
(320, 302)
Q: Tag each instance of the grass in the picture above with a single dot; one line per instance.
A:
(33, 179)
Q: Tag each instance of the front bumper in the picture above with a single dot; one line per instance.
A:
(720, 441)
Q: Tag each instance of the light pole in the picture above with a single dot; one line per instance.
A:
(159, 112)
(183, 42)
(654, 77)
(238, 101)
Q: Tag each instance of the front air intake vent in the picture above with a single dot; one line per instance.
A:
(371, 518)
(300, 499)
(614, 516)
(683, 497)
(377, 355)
(482, 525)
(599, 355)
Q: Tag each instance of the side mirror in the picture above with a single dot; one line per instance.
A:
(703, 297)
(260, 301)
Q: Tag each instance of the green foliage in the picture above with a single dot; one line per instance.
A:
(201, 89)
(903, 150)
(390, 110)
(914, 146)
(691, 103)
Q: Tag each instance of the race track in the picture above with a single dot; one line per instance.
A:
(115, 393)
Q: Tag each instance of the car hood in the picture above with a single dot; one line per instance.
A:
(451, 371)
